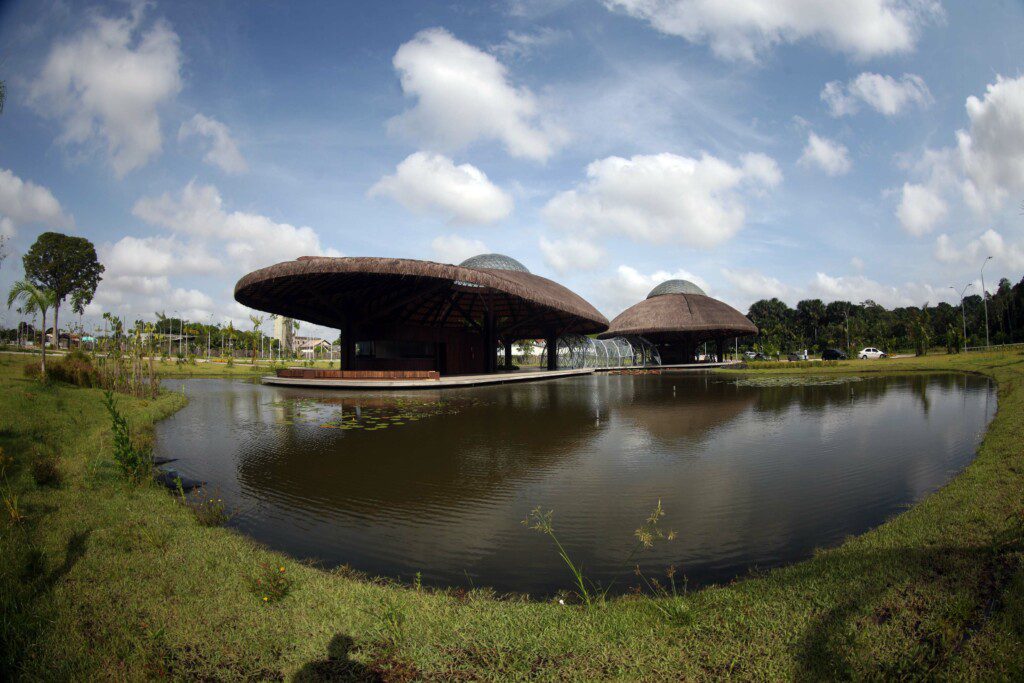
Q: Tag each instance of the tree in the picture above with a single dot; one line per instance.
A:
(32, 300)
(257, 322)
(68, 267)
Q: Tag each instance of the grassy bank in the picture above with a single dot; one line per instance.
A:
(106, 580)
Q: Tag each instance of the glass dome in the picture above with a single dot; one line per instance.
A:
(676, 287)
(494, 262)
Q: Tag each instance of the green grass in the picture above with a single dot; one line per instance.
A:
(104, 580)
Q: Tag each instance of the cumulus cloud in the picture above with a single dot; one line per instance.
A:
(249, 240)
(663, 198)
(752, 285)
(464, 95)
(565, 255)
(628, 285)
(857, 288)
(745, 30)
(152, 256)
(456, 249)
(989, 243)
(920, 209)
(140, 295)
(431, 183)
(992, 149)
(828, 155)
(107, 83)
(884, 94)
(223, 150)
(23, 202)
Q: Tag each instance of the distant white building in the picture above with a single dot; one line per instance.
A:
(284, 332)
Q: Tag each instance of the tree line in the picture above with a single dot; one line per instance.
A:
(816, 326)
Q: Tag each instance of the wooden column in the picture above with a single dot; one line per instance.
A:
(552, 350)
(490, 342)
(720, 344)
(348, 347)
(508, 356)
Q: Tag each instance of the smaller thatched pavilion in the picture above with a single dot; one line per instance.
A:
(677, 316)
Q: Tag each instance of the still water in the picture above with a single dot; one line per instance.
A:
(750, 473)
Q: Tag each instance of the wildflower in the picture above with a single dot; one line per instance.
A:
(266, 599)
(282, 568)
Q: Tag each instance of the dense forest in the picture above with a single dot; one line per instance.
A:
(816, 326)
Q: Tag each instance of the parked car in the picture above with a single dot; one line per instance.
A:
(871, 352)
(799, 355)
(833, 354)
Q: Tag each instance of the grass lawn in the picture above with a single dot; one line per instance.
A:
(105, 580)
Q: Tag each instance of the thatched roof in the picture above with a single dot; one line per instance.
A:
(676, 315)
(328, 291)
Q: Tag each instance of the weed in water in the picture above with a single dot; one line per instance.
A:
(209, 510)
(590, 592)
(271, 583)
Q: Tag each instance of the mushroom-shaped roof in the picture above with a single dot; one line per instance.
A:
(665, 315)
(676, 287)
(494, 262)
(363, 290)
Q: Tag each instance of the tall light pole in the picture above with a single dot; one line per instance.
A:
(962, 313)
(984, 297)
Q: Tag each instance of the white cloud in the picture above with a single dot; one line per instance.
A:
(752, 285)
(522, 45)
(464, 95)
(23, 202)
(140, 296)
(425, 182)
(106, 84)
(663, 198)
(456, 249)
(884, 94)
(223, 151)
(828, 155)
(989, 243)
(571, 254)
(992, 150)
(628, 286)
(152, 256)
(744, 30)
(857, 263)
(249, 240)
(858, 288)
(920, 209)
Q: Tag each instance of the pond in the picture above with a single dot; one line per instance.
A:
(751, 473)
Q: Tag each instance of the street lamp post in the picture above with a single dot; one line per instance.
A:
(984, 298)
(963, 315)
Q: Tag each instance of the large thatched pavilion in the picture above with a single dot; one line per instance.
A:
(404, 315)
(677, 316)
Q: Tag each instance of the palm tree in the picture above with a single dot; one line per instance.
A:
(161, 316)
(33, 300)
(257, 322)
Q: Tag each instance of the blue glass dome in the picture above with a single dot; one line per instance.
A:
(676, 287)
(494, 262)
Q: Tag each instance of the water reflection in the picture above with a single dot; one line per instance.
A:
(749, 475)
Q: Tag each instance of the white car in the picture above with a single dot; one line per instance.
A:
(871, 352)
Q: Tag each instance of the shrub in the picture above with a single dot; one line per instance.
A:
(209, 510)
(271, 583)
(46, 471)
(75, 368)
(134, 463)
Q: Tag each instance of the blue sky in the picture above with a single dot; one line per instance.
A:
(858, 149)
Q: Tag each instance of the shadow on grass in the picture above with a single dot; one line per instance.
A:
(337, 666)
(907, 613)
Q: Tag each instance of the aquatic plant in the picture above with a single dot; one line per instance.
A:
(772, 381)
(588, 591)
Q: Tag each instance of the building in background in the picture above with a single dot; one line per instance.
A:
(284, 333)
